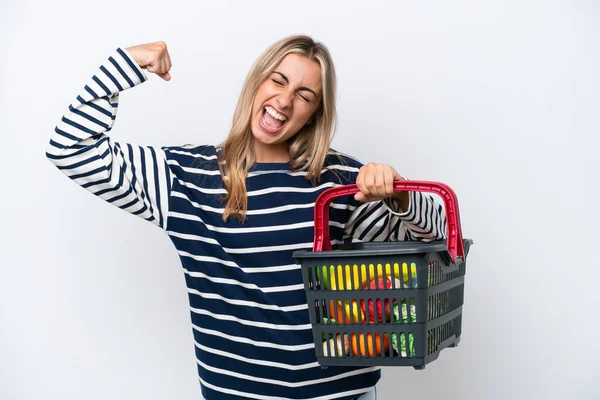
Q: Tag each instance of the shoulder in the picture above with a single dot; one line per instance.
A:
(335, 157)
(192, 149)
(341, 167)
(195, 156)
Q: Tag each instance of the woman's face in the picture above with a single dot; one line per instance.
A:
(284, 103)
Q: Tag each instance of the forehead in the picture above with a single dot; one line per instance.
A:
(301, 71)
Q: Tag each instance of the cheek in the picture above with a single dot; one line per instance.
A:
(305, 114)
(260, 97)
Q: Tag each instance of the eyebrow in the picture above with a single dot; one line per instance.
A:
(300, 88)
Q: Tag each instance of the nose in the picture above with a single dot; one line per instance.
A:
(285, 99)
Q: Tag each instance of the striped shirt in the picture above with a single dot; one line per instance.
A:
(249, 310)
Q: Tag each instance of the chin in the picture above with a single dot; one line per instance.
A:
(266, 137)
(267, 140)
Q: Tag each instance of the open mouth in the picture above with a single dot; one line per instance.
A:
(271, 120)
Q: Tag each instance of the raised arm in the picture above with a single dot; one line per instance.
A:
(133, 178)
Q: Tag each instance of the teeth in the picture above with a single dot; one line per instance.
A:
(275, 114)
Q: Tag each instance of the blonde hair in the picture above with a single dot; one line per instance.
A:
(308, 148)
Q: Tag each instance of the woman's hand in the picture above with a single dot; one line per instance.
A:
(154, 57)
(376, 182)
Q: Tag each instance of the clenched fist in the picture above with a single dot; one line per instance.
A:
(154, 57)
(376, 182)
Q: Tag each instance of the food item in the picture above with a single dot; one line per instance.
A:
(396, 311)
(333, 278)
(354, 277)
(400, 345)
(343, 346)
(323, 277)
(373, 274)
(374, 285)
(365, 347)
(354, 314)
(402, 348)
(342, 314)
(337, 312)
(340, 282)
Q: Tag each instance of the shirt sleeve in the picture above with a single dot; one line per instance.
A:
(385, 221)
(133, 178)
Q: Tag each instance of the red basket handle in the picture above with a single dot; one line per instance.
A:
(453, 229)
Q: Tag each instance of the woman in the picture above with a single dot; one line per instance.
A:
(236, 212)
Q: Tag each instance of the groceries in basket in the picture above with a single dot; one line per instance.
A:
(348, 312)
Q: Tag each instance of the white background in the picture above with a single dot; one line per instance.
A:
(498, 99)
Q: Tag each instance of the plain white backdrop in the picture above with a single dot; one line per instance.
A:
(500, 100)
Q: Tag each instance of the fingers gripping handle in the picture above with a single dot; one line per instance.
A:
(453, 229)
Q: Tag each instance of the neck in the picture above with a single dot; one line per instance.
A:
(271, 153)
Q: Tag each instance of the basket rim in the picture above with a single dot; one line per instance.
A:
(376, 249)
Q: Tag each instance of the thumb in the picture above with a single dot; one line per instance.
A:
(166, 76)
(360, 197)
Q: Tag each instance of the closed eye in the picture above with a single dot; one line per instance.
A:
(277, 82)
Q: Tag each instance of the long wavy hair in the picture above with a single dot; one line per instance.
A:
(307, 149)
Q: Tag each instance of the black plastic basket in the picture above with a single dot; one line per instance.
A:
(385, 303)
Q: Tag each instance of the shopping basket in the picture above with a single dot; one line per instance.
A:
(385, 303)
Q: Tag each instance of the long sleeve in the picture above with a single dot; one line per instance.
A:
(384, 221)
(424, 220)
(133, 178)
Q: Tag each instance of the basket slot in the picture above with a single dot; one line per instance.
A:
(407, 312)
(355, 276)
(442, 303)
(401, 310)
(390, 346)
(336, 344)
(382, 344)
(331, 311)
(322, 312)
(360, 316)
(378, 310)
(403, 344)
(438, 335)
(372, 345)
(439, 273)
(326, 348)
(340, 311)
(318, 283)
(394, 282)
(347, 348)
